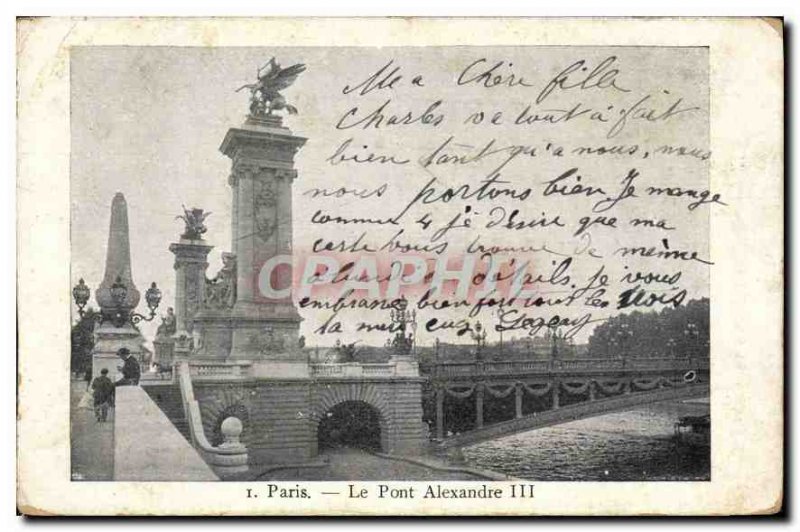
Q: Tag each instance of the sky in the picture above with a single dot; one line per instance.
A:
(148, 122)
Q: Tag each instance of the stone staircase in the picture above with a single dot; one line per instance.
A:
(168, 399)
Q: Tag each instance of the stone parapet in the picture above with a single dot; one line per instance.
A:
(148, 447)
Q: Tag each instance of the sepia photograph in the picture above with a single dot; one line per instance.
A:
(390, 264)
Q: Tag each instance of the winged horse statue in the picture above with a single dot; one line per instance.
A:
(265, 94)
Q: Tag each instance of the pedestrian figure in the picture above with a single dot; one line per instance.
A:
(131, 373)
(103, 392)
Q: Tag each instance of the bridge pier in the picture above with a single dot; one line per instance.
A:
(592, 395)
(479, 405)
(518, 400)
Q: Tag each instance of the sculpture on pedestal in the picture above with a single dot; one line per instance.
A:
(265, 94)
(167, 327)
(190, 272)
(220, 292)
(345, 353)
(194, 219)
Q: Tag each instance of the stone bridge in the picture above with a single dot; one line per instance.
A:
(288, 418)
(402, 408)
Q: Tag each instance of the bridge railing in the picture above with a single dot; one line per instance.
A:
(228, 458)
(577, 365)
(214, 370)
(353, 369)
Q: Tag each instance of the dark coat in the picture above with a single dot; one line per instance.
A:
(103, 390)
(130, 371)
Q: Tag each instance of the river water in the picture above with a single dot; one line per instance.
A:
(635, 445)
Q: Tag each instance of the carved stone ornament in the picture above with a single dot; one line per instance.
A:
(265, 210)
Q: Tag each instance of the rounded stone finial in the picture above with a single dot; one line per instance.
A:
(231, 429)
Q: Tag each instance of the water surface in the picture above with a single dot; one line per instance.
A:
(635, 445)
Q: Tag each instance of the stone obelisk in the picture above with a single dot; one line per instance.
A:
(111, 336)
(262, 152)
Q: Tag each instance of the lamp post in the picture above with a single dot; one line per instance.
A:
(117, 315)
(691, 332)
(499, 315)
(671, 346)
(623, 334)
(479, 337)
(81, 294)
(614, 346)
(554, 336)
(401, 316)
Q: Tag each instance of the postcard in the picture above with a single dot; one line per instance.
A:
(400, 266)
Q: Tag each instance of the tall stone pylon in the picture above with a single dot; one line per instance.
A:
(191, 261)
(262, 154)
(109, 336)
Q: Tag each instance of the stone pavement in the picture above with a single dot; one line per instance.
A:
(91, 443)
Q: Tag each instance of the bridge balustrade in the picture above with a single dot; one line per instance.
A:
(546, 366)
(357, 369)
(200, 370)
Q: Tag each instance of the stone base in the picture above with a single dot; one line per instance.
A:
(405, 366)
(163, 351)
(284, 409)
(289, 368)
(108, 340)
(269, 334)
(214, 331)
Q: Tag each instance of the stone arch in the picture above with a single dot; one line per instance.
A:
(220, 403)
(332, 395)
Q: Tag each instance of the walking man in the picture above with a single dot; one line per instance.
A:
(103, 393)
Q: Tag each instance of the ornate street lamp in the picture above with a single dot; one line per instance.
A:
(401, 316)
(479, 337)
(613, 344)
(691, 332)
(554, 337)
(153, 297)
(671, 345)
(117, 315)
(81, 294)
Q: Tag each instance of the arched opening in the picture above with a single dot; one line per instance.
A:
(350, 424)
